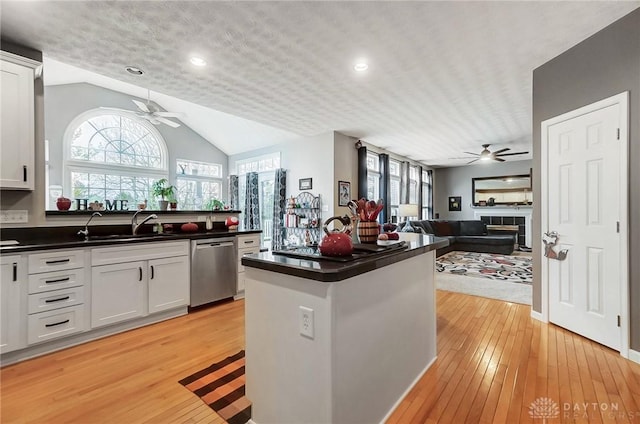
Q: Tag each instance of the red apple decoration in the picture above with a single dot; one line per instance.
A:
(63, 203)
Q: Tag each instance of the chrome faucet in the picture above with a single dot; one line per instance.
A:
(134, 221)
(85, 232)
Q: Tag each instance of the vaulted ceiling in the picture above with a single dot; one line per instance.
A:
(443, 78)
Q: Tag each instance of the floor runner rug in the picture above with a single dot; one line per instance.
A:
(514, 269)
(221, 386)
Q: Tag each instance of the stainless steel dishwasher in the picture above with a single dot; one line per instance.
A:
(213, 270)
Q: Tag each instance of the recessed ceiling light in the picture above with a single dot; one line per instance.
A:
(134, 70)
(198, 61)
(361, 67)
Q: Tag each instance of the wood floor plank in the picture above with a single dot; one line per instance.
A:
(493, 362)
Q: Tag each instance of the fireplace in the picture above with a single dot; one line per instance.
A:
(516, 217)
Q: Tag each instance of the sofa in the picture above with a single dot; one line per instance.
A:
(468, 236)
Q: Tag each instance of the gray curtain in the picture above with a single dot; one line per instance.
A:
(234, 194)
(252, 203)
(404, 182)
(279, 208)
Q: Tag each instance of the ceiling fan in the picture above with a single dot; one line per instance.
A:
(485, 154)
(151, 113)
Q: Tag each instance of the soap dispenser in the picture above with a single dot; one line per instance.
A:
(209, 224)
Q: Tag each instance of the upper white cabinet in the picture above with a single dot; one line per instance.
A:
(17, 134)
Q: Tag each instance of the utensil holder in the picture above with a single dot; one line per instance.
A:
(368, 231)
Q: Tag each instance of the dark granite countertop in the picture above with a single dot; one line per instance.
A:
(331, 271)
(44, 238)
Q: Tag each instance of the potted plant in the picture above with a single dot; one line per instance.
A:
(173, 202)
(214, 204)
(164, 191)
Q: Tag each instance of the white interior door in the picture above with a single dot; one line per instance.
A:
(585, 187)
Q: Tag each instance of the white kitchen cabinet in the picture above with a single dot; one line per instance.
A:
(117, 292)
(247, 244)
(138, 280)
(13, 292)
(17, 132)
(168, 283)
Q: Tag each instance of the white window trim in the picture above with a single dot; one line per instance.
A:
(74, 165)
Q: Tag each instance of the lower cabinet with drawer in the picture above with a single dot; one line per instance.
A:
(247, 244)
(56, 301)
(55, 323)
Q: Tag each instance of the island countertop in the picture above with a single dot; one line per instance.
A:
(330, 271)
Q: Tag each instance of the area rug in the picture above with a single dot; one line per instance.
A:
(514, 269)
(221, 387)
(499, 277)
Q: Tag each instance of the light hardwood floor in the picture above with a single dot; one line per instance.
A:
(493, 362)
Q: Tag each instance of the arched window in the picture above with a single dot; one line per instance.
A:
(115, 156)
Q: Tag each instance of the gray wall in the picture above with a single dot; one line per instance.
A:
(456, 181)
(63, 103)
(603, 65)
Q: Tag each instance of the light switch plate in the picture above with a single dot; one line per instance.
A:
(14, 217)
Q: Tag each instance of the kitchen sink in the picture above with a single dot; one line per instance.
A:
(128, 236)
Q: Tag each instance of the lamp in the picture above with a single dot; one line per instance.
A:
(408, 210)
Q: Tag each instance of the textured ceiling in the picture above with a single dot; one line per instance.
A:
(443, 78)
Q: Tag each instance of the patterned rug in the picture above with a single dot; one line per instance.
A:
(221, 386)
(515, 269)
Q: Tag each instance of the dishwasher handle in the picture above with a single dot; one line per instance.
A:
(214, 244)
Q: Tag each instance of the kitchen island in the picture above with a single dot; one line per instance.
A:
(338, 342)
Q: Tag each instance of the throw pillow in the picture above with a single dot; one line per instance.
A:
(442, 228)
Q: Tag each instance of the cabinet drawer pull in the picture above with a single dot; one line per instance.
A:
(140, 270)
(15, 271)
(152, 272)
(249, 242)
(24, 173)
(57, 323)
(59, 280)
(57, 261)
(57, 300)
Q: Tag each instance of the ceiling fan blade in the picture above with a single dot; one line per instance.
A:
(501, 150)
(170, 114)
(499, 160)
(475, 160)
(141, 106)
(512, 154)
(117, 108)
(167, 122)
(469, 153)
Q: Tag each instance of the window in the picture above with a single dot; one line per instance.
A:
(373, 176)
(113, 156)
(413, 185)
(198, 183)
(427, 194)
(265, 166)
(394, 176)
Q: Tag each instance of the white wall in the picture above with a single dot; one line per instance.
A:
(306, 157)
(345, 159)
(456, 181)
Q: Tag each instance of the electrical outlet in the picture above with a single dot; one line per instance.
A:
(306, 322)
(14, 217)
(201, 218)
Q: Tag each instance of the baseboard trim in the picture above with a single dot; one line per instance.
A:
(406, 392)
(634, 356)
(537, 315)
